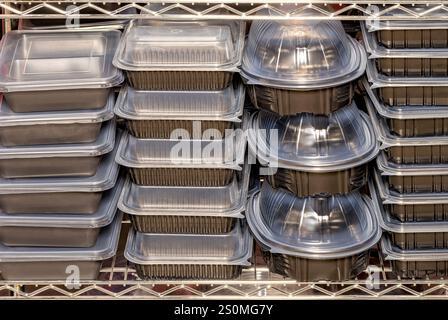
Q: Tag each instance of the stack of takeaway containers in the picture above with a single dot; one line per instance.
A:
(59, 183)
(187, 190)
(408, 101)
(309, 217)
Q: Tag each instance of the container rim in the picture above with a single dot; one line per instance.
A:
(393, 253)
(388, 168)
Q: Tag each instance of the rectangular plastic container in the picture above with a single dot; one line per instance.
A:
(194, 210)
(201, 163)
(160, 114)
(48, 263)
(58, 70)
(43, 128)
(189, 256)
(408, 150)
(410, 235)
(63, 160)
(406, 62)
(307, 270)
(408, 91)
(303, 183)
(176, 55)
(290, 102)
(412, 209)
(59, 230)
(69, 195)
(420, 264)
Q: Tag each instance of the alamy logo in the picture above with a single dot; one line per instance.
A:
(73, 279)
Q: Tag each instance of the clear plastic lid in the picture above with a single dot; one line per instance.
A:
(234, 248)
(228, 201)
(310, 142)
(227, 153)
(392, 197)
(104, 179)
(104, 248)
(149, 45)
(391, 252)
(101, 218)
(390, 223)
(224, 105)
(404, 112)
(389, 168)
(376, 50)
(378, 80)
(408, 10)
(103, 144)
(64, 59)
(9, 118)
(312, 227)
(301, 54)
(387, 139)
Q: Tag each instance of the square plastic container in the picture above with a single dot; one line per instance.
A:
(189, 256)
(63, 160)
(408, 91)
(290, 102)
(429, 264)
(410, 235)
(69, 195)
(410, 208)
(43, 128)
(406, 62)
(411, 121)
(194, 210)
(408, 150)
(59, 230)
(175, 55)
(157, 114)
(201, 163)
(43, 263)
(303, 183)
(58, 70)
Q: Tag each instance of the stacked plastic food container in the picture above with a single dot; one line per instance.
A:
(187, 191)
(58, 190)
(309, 218)
(408, 101)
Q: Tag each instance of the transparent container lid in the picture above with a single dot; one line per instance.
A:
(387, 139)
(104, 179)
(388, 168)
(227, 153)
(9, 118)
(312, 227)
(101, 218)
(310, 142)
(228, 201)
(378, 80)
(392, 197)
(234, 248)
(102, 145)
(404, 112)
(413, 24)
(64, 59)
(391, 252)
(302, 54)
(376, 50)
(104, 248)
(149, 45)
(224, 105)
(390, 223)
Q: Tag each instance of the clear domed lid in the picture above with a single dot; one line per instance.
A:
(301, 55)
(312, 227)
(311, 142)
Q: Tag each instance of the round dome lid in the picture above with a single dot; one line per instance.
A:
(301, 55)
(311, 142)
(312, 227)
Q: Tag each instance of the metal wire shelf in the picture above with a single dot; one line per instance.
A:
(118, 280)
(227, 9)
